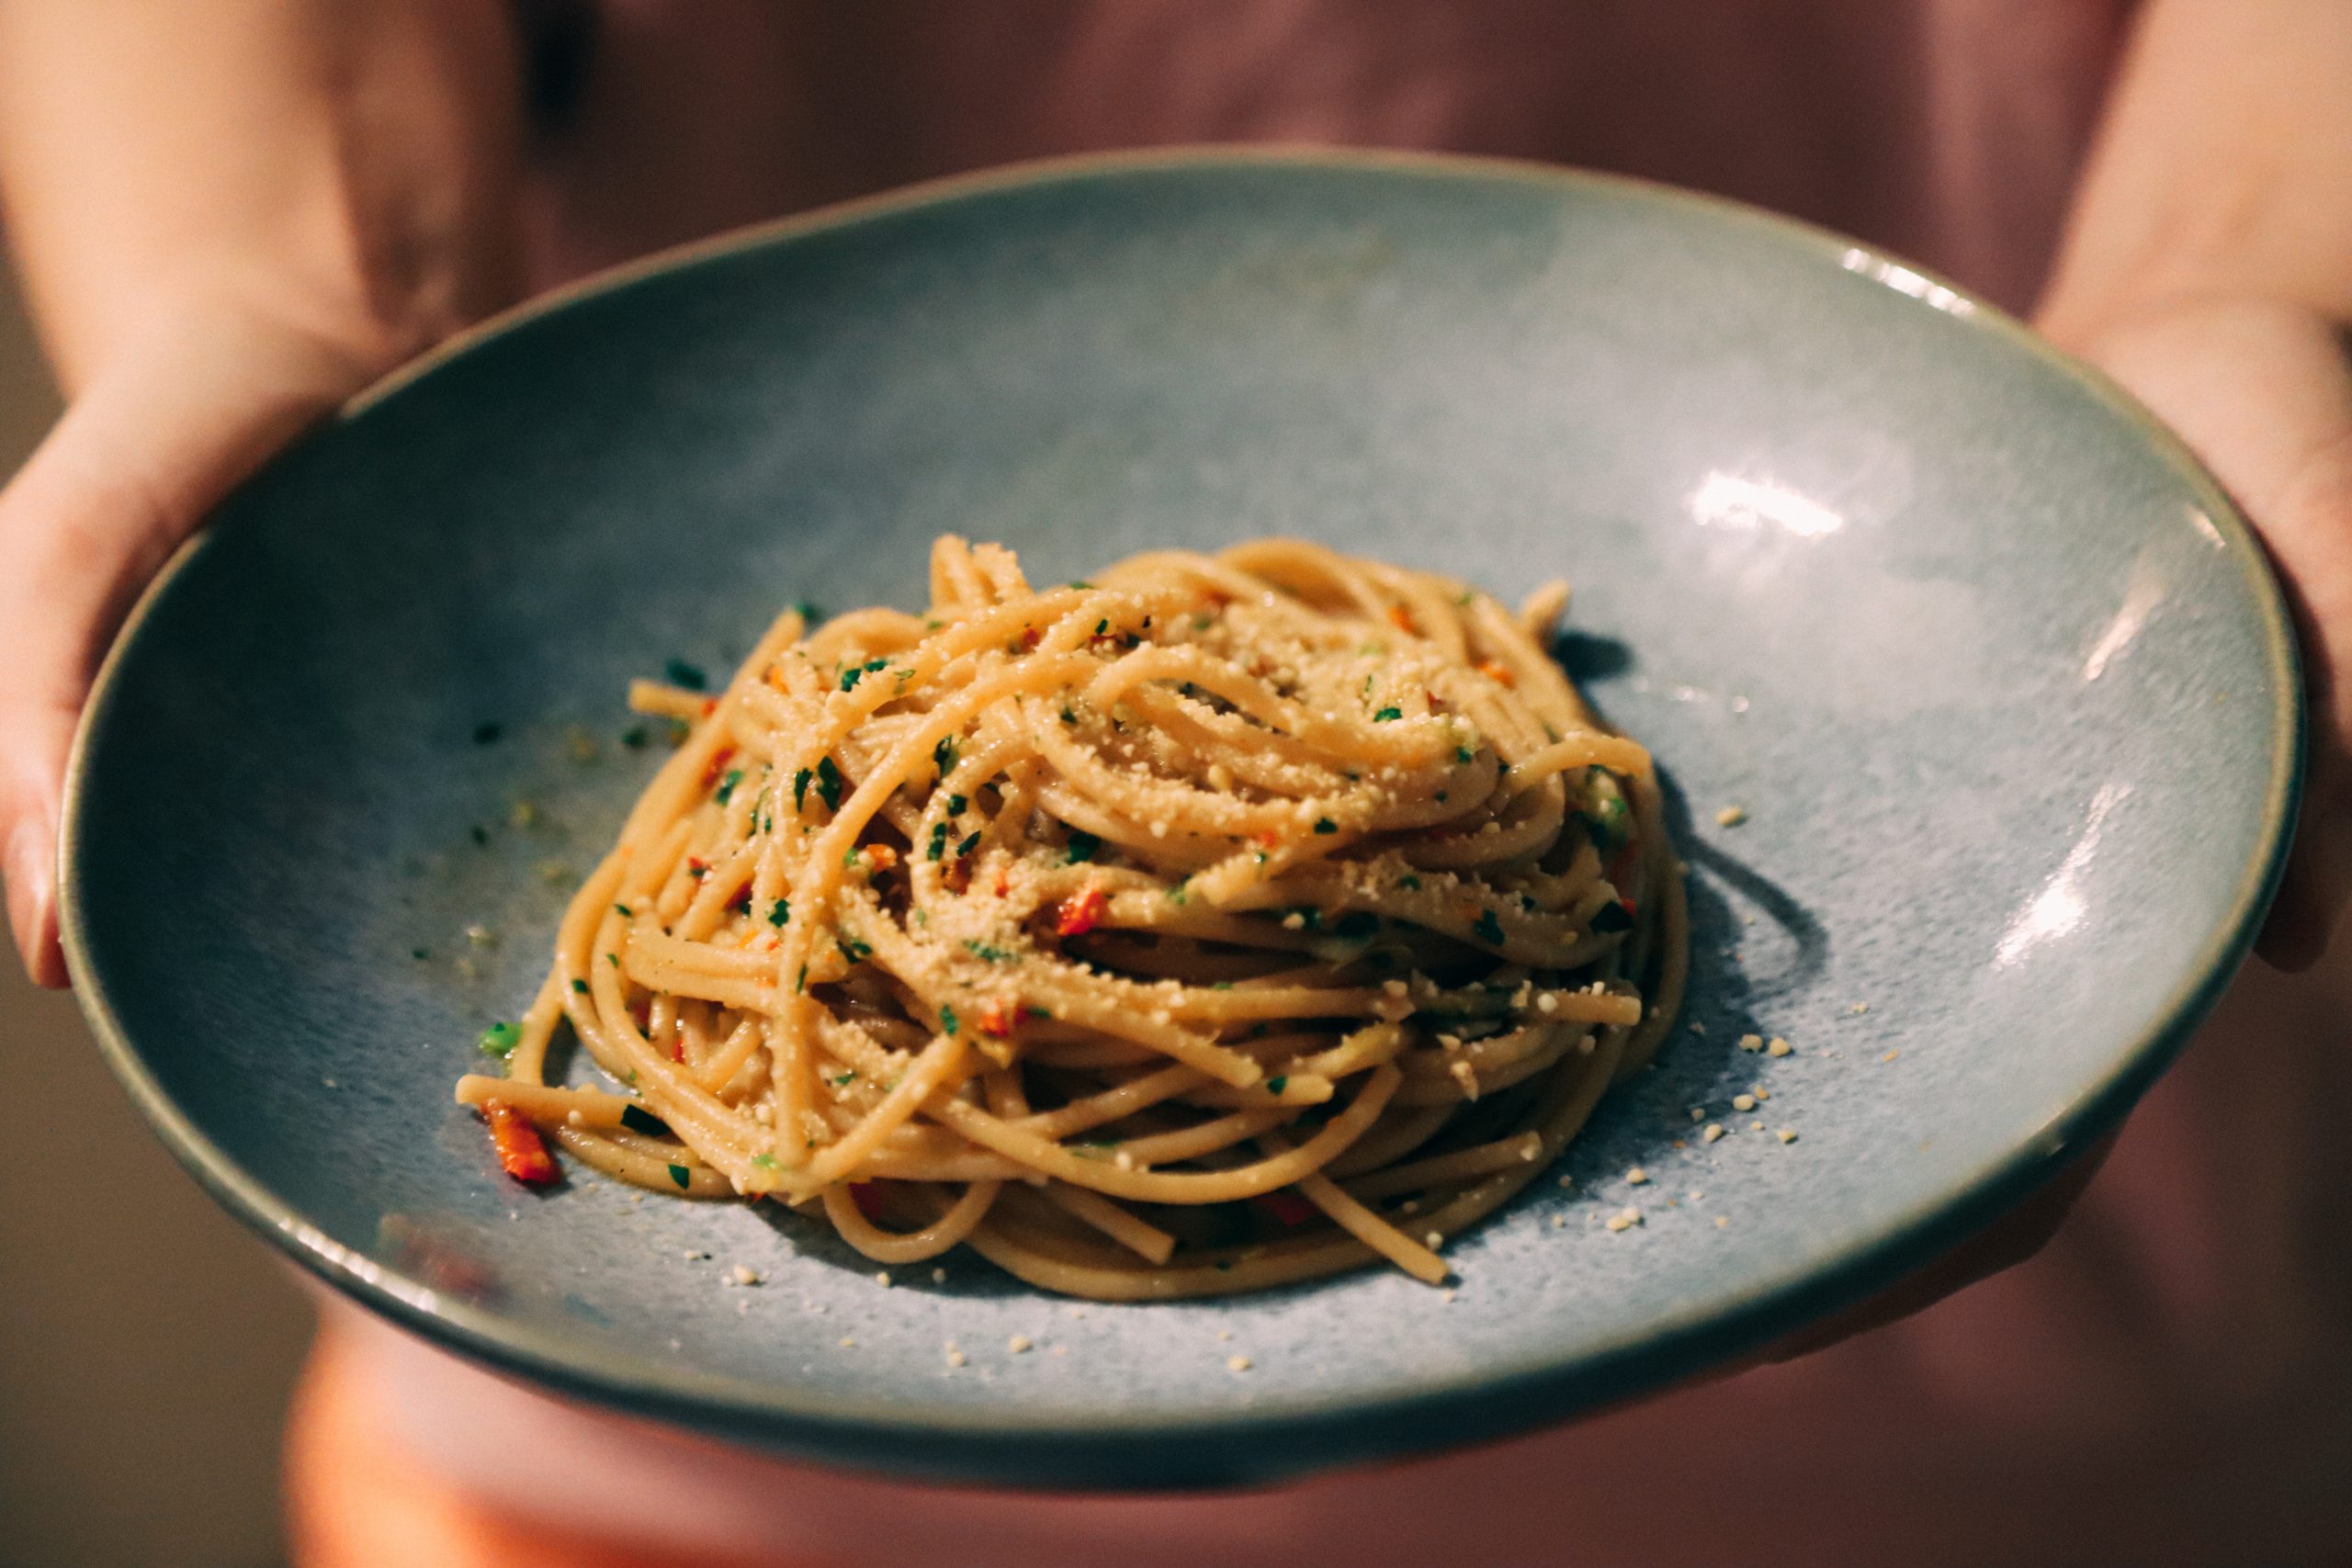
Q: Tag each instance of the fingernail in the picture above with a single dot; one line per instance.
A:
(30, 870)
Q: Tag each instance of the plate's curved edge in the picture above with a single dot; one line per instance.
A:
(1302, 1435)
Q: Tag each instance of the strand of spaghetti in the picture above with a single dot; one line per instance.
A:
(1361, 1222)
(910, 1247)
(1172, 1187)
(1147, 1241)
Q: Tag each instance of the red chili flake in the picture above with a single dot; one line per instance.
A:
(697, 868)
(718, 767)
(1496, 671)
(1621, 870)
(709, 706)
(1003, 881)
(1028, 636)
(1399, 617)
(867, 1196)
(1266, 839)
(678, 1049)
(1081, 912)
(522, 1152)
(882, 857)
(1285, 1208)
(998, 1020)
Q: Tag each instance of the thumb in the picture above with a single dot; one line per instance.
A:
(146, 448)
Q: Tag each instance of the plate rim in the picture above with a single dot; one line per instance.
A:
(1301, 1433)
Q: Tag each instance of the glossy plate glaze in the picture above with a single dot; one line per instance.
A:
(2001, 685)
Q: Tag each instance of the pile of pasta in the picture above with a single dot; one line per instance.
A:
(1218, 923)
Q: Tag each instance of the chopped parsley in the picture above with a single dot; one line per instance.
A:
(639, 1120)
(938, 841)
(634, 738)
(856, 672)
(947, 1020)
(500, 1040)
(800, 788)
(1325, 825)
(1388, 714)
(779, 911)
(727, 786)
(681, 1176)
(1080, 583)
(809, 611)
(988, 954)
(624, 913)
(955, 803)
(1489, 930)
(766, 1162)
(943, 757)
(1463, 754)
(842, 1080)
(1409, 882)
(971, 842)
(580, 987)
(1275, 1086)
(613, 959)
(853, 949)
(801, 984)
(828, 782)
(1083, 847)
(681, 674)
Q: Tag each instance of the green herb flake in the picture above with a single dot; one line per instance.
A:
(1325, 825)
(828, 782)
(419, 953)
(634, 738)
(1489, 930)
(580, 987)
(852, 676)
(613, 959)
(779, 911)
(938, 841)
(800, 789)
(1083, 847)
(1409, 882)
(970, 843)
(681, 674)
(1275, 1086)
(988, 954)
(1101, 627)
(1388, 715)
(853, 949)
(943, 757)
(1463, 754)
(766, 1162)
(1080, 583)
(500, 1040)
(809, 611)
(681, 1176)
(955, 803)
(947, 1020)
(639, 1120)
(727, 786)
(801, 983)
(842, 1080)
(623, 911)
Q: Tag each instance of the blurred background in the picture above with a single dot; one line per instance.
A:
(147, 1341)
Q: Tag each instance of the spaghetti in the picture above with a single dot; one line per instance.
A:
(1222, 923)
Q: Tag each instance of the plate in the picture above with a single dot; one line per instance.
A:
(2001, 684)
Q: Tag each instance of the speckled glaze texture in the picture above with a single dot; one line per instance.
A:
(2003, 687)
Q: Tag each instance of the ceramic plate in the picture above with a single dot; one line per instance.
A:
(2001, 684)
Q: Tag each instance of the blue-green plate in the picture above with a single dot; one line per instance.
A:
(2001, 681)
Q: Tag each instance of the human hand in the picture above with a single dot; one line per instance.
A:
(229, 217)
(2261, 390)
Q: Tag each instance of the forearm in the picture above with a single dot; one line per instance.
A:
(348, 167)
(2225, 167)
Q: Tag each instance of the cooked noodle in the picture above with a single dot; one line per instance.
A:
(1224, 922)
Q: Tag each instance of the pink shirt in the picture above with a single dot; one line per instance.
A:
(2170, 1380)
